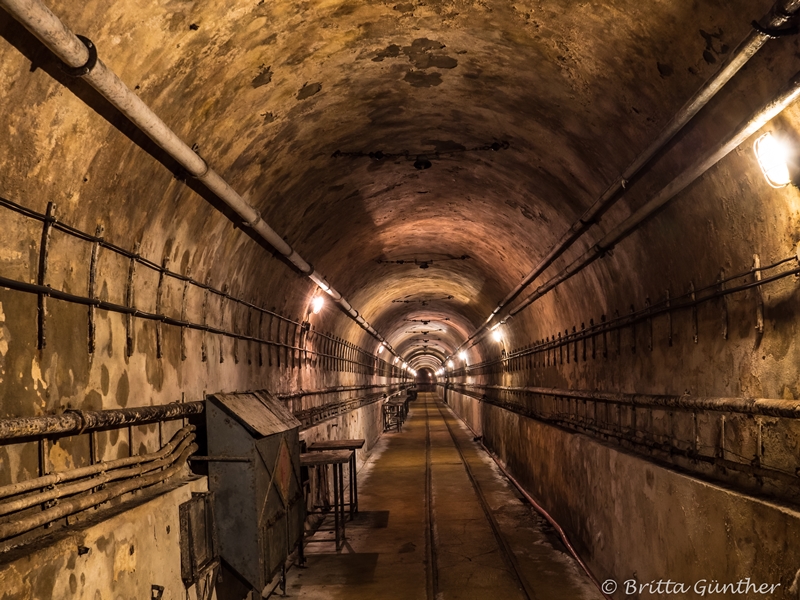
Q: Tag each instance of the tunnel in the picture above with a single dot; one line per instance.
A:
(399, 299)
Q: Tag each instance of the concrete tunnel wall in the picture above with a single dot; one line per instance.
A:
(269, 92)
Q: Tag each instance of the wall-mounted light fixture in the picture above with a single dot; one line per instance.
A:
(497, 335)
(463, 355)
(773, 155)
(316, 304)
(380, 348)
(450, 364)
(404, 365)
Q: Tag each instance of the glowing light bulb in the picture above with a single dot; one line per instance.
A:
(497, 335)
(450, 364)
(316, 304)
(463, 355)
(772, 155)
(380, 348)
(404, 365)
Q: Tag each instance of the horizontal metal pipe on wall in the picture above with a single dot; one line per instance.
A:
(62, 476)
(789, 94)
(149, 463)
(769, 407)
(332, 390)
(80, 421)
(79, 503)
(781, 13)
(43, 290)
(49, 29)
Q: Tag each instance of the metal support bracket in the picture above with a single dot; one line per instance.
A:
(90, 63)
(759, 296)
(42, 276)
(92, 330)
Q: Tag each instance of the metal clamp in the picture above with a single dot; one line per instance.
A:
(774, 32)
(90, 62)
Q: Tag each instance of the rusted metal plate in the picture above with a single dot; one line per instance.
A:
(259, 411)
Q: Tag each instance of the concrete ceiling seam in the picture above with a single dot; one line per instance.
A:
(761, 117)
(768, 28)
(80, 56)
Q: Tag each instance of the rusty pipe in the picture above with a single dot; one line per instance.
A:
(79, 421)
(77, 54)
(102, 479)
(768, 407)
(79, 503)
(54, 478)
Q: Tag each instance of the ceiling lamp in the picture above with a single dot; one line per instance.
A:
(773, 155)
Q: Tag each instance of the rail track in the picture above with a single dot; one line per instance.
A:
(508, 556)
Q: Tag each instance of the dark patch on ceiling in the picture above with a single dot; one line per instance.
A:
(309, 90)
(423, 79)
(664, 70)
(445, 145)
(391, 51)
(263, 78)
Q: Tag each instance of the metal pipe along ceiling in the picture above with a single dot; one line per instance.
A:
(780, 14)
(49, 29)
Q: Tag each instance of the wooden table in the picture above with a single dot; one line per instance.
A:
(353, 445)
(337, 458)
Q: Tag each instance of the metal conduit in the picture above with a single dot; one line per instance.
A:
(84, 501)
(149, 464)
(101, 467)
(76, 54)
(768, 407)
(769, 111)
(781, 13)
(80, 421)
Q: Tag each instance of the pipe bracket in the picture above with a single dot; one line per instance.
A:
(775, 32)
(90, 62)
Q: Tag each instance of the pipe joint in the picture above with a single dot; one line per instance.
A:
(90, 63)
(777, 32)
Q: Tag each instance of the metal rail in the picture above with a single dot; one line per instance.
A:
(506, 552)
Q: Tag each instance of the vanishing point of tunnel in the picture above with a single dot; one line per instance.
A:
(376, 299)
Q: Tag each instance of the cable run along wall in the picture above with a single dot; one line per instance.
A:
(80, 56)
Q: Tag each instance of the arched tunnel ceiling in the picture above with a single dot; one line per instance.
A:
(317, 112)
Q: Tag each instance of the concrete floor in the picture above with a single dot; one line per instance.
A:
(403, 546)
